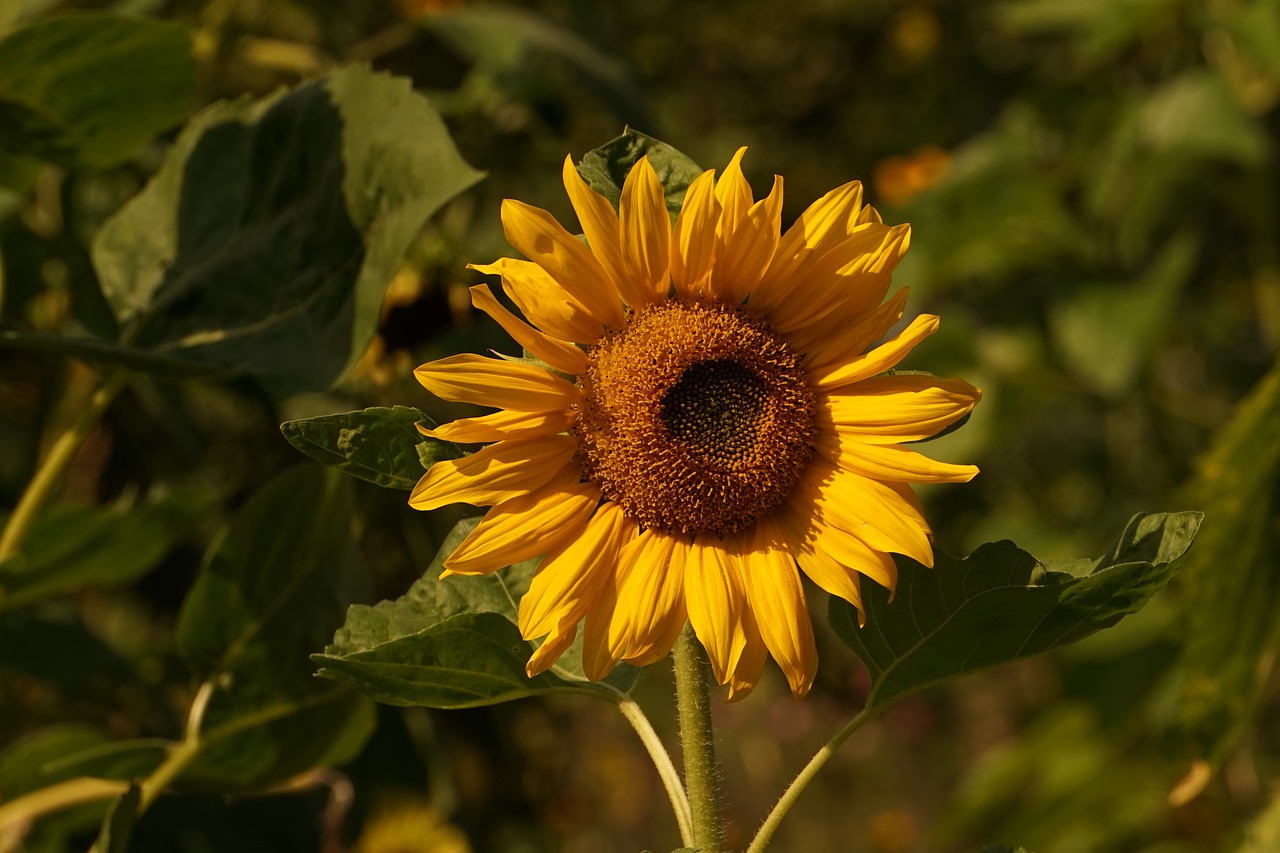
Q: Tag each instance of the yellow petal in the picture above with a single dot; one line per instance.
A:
(693, 242)
(897, 408)
(651, 609)
(570, 578)
(561, 355)
(716, 600)
(470, 378)
(545, 656)
(494, 474)
(526, 526)
(537, 235)
(827, 222)
(543, 301)
(746, 671)
(880, 359)
(777, 600)
(502, 426)
(599, 224)
(870, 510)
(889, 462)
(832, 279)
(747, 252)
(597, 660)
(734, 194)
(869, 214)
(824, 570)
(806, 525)
(826, 345)
(646, 236)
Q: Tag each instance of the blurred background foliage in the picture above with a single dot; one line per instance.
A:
(1093, 191)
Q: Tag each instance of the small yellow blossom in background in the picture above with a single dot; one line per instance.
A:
(900, 179)
(409, 826)
(724, 427)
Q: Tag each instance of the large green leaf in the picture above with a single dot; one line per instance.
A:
(1230, 615)
(91, 89)
(380, 445)
(605, 168)
(273, 589)
(1001, 604)
(453, 643)
(76, 546)
(265, 243)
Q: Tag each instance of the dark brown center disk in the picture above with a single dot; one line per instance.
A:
(696, 417)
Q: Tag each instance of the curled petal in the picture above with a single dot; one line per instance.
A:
(559, 640)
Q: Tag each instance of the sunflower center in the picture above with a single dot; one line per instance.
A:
(695, 417)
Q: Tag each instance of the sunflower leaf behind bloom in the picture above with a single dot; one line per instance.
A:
(453, 642)
(1001, 604)
(605, 169)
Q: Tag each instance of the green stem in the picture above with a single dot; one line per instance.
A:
(182, 754)
(54, 465)
(662, 761)
(693, 698)
(797, 786)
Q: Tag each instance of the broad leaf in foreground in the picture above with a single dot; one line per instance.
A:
(380, 445)
(453, 643)
(1001, 604)
(265, 243)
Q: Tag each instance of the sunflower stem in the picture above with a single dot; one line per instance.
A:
(662, 761)
(55, 463)
(803, 778)
(697, 736)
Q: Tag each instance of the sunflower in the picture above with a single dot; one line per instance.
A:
(701, 421)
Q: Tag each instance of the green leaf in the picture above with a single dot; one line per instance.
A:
(99, 351)
(273, 588)
(1001, 605)
(70, 547)
(379, 445)
(605, 168)
(265, 243)
(118, 825)
(1230, 616)
(453, 643)
(91, 89)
